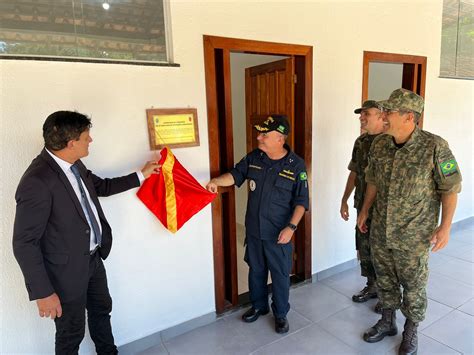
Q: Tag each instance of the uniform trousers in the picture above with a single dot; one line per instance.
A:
(263, 256)
(365, 255)
(399, 270)
(70, 327)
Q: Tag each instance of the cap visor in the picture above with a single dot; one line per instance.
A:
(386, 104)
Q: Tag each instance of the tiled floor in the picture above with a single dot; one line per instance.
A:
(324, 320)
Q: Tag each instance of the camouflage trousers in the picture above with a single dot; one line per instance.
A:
(365, 256)
(399, 270)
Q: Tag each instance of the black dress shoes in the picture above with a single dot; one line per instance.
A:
(252, 314)
(281, 325)
(365, 294)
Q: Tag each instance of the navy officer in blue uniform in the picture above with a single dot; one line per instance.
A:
(277, 200)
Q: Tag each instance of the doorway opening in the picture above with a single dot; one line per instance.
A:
(385, 72)
(229, 121)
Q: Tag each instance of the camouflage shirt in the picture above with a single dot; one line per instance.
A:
(409, 182)
(358, 163)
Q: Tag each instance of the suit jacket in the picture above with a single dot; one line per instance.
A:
(51, 234)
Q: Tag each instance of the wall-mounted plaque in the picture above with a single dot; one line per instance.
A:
(172, 127)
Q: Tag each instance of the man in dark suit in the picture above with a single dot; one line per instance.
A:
(61, 233)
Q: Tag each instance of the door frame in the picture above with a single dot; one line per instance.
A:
(419, 71)
(219, 118)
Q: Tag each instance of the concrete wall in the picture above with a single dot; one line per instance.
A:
(158, 280)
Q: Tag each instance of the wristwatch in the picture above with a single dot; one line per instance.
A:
(292, 226)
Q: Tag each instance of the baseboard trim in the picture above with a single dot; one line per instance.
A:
(158, 338)
(185, 327)
(141, 344)
(324, 274)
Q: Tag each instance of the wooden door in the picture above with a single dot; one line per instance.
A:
(269, 89)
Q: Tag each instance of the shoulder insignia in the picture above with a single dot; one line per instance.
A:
(449, 167)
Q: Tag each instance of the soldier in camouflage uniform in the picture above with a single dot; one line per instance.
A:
(411, 173)
(371, 120)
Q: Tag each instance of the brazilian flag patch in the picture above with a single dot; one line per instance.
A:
(449, 167)
(281, 128)
(303, 176)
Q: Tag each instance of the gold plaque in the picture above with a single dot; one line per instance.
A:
(172, 128)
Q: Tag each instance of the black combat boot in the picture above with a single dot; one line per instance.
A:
(387, 325)
(368, 292)
(409, 345)
(378, 308)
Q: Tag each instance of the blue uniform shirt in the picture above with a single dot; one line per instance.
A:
(276, 188)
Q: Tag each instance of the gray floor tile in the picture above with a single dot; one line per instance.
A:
(467, 255)
(155, 350)
(204, 339)
(457, 269)
(427, 346)
(347, 282)
(447, 291)
(370, 304)
(350, 324)
(435, 311)
(230, 335)
(317, 301)
(468, 308)
(455, 330)
(454, 247)
(310, 340)
(467, 224)
(324, 320)
(438, 258)
(465, 236)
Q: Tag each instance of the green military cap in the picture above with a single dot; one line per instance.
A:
(403, 99)
(366, 105)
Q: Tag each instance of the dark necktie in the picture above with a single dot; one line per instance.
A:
(86, 204)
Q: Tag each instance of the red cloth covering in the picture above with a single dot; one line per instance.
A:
(173, 195)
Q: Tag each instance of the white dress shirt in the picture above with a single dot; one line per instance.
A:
(66, 168)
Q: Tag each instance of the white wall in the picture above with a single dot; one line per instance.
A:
(238, 63)
(383, 79)
(158, 280)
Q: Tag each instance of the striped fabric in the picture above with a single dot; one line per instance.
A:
(174, 195)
